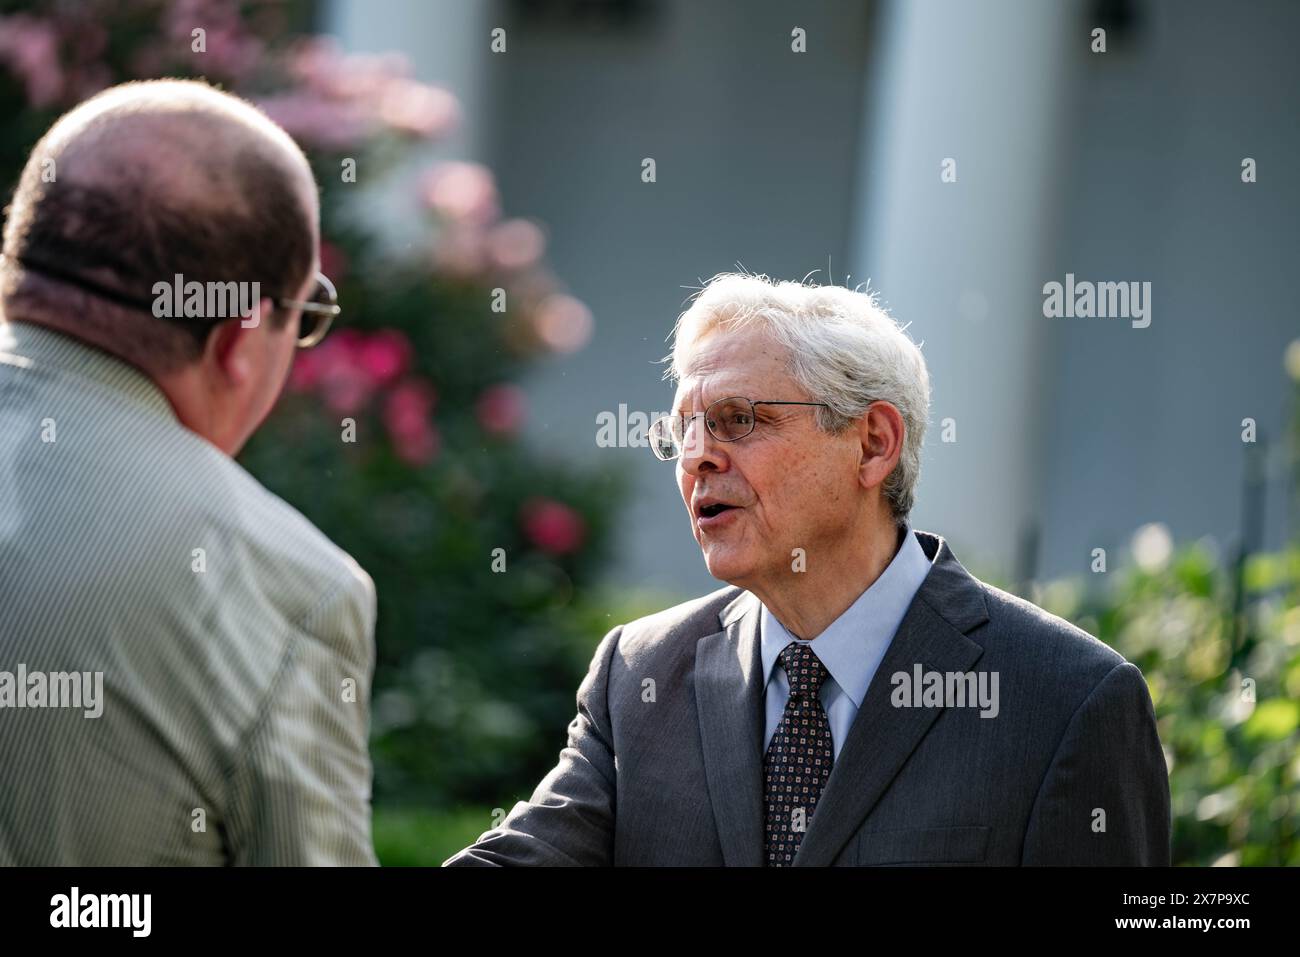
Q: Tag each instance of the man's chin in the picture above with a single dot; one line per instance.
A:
(730, 568)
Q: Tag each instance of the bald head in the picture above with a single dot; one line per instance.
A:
(148, 180)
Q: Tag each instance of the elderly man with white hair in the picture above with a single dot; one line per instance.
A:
(854, 696)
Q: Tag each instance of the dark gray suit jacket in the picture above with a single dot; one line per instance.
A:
(1070, 771)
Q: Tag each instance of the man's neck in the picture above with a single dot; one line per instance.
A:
(806, 603)
(183, 387)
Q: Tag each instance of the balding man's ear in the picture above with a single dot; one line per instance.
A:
(229, 351)
(880, 432)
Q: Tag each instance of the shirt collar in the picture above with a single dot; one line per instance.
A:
(28, 345)
(852, 647)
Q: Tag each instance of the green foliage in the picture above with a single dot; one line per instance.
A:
(1225, 690)
(418, 837)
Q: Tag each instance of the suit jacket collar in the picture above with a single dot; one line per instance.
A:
(729, 695)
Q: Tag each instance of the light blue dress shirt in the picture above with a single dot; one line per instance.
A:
(851, 648)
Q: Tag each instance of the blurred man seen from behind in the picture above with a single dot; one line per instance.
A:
(185, 660)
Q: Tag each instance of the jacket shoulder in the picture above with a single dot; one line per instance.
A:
(1067, 663)
(679, 626)
(265, 558)
(296, 561)
(1019, 618)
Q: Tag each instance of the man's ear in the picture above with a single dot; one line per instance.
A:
(232, 345)
(880, 430)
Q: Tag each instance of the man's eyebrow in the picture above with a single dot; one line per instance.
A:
(714, 396)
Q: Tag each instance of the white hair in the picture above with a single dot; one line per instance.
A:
(844, 350)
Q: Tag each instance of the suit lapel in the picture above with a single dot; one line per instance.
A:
(729, 696)
(948, 604)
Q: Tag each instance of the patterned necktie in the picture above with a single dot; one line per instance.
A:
(798, 761)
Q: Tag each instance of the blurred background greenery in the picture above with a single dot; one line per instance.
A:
(438, 497)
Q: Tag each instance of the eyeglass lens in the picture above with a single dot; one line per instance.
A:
(311, 320)
(727, 420)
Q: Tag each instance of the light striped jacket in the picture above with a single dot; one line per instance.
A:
(234, 640)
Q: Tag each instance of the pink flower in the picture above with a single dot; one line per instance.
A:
(408, 405)
(348, 341)
(314, 121)
(183, 16)
(418, 448)
(406, 415)
(30, 49)
(315, 62)
(313, 367)
(229, 49)
(502, 409)
(418, 109)
(563, 323)
(335, 369)
(346, 388)
(306, 370)
(462, 192)
(461, 251)
(362, 94)
(385, 355)
(366, 76)
(552, 526)
(516, 244)
(407, 418)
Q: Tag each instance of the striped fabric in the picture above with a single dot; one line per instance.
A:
(236, 679)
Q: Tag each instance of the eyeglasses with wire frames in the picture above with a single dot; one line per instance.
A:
(321, 308)
(317, 313)
(727, 420)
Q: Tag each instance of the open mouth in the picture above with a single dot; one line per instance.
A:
(717, 508)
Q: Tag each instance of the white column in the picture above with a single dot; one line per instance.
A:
(984, 84)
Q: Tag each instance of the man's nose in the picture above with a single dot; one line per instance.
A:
(701, 451)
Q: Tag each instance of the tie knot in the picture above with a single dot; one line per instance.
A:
(803, 669)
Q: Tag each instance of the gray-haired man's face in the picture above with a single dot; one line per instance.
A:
(790, 485)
